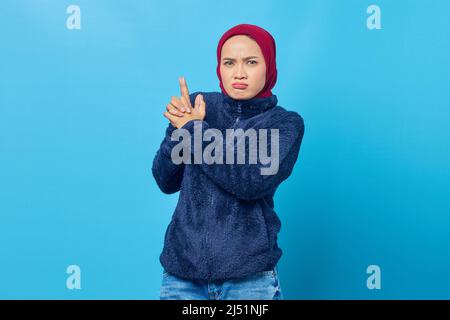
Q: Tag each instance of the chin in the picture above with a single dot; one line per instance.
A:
(241, 95)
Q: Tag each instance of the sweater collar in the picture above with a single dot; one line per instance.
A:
(251, 106)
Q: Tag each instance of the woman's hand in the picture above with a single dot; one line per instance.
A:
(180, 111)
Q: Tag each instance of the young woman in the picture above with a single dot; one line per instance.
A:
(222, 240)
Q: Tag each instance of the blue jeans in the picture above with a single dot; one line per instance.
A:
(263, 285)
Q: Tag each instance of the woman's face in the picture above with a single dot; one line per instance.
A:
(242, 62)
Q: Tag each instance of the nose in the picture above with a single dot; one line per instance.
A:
(240, 72)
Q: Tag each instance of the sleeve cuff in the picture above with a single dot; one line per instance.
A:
(189, 126)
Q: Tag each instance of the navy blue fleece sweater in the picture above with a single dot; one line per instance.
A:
(224, 225)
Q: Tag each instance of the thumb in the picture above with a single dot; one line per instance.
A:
(198, 98)
(201, 103)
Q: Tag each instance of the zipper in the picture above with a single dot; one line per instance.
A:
(239, 112)
(208, 252)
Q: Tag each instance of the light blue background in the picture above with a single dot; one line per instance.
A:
(81, 120)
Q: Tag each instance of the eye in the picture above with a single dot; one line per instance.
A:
(252, 61)
(228, 63)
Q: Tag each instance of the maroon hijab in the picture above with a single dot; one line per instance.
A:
(267, 44)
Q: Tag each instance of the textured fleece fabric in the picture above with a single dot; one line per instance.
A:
(224, 225)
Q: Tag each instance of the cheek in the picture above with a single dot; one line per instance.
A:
(225, 74)
(260, 75)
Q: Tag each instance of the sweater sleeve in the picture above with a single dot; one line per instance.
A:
(168, 175)
(246, 180)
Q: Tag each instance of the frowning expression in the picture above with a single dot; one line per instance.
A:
(242, 67)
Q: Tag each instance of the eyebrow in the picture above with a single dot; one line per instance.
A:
(246, 58)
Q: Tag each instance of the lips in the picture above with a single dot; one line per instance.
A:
(239, 85)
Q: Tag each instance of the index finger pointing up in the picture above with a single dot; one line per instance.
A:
(184, 89)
